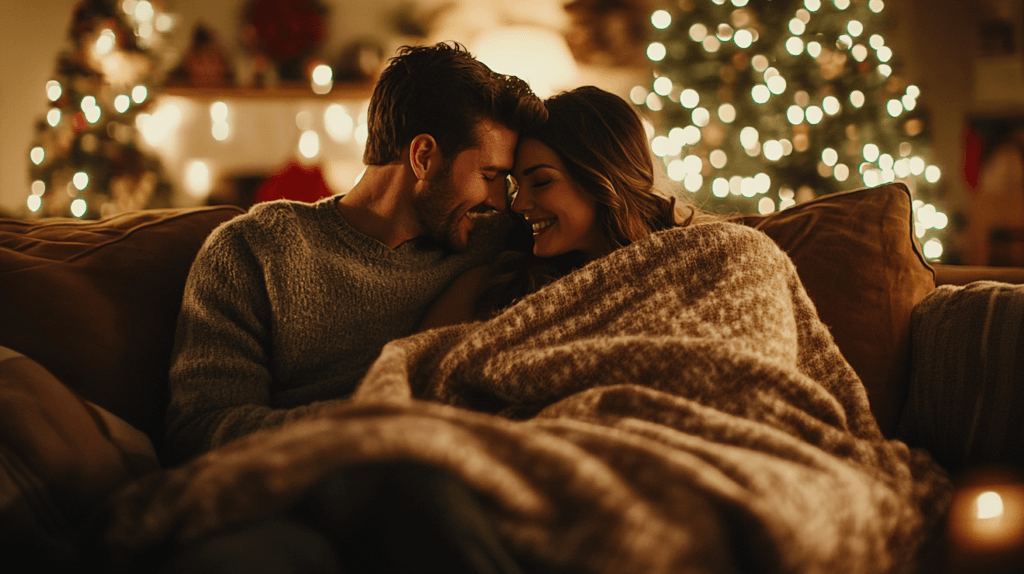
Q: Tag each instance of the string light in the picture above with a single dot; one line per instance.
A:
(656, 51)
(661, 19)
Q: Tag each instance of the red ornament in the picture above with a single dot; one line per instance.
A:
(287, 29)
(296, 182)
(78, 122)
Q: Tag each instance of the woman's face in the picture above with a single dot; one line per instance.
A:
(563, 217)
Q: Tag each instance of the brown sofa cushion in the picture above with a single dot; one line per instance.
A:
(60, 458)
(862, 266)
(96, 302)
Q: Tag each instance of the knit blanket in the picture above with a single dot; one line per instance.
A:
(676, 406)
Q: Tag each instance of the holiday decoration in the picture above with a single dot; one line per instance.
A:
(85, 161)
(759, 104)
(287, 32)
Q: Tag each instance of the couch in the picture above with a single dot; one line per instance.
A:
(92, 306)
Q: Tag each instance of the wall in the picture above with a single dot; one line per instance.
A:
(931, 37)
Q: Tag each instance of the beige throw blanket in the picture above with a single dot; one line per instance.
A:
(676, 406)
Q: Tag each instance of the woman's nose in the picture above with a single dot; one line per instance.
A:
(521, 201)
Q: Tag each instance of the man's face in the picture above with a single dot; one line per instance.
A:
(474, 182)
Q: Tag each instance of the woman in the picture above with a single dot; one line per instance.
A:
(584, 186)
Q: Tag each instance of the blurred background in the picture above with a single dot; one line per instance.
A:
(751, 105)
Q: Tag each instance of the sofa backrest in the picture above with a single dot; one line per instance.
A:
(96, 302)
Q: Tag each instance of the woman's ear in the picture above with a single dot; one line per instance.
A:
(424, 156)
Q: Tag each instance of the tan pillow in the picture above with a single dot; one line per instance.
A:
(96, 302)
(862, 266)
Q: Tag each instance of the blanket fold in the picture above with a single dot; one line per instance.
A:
(676, 406)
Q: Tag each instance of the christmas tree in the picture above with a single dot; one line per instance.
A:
(84, 160)
(761, 104)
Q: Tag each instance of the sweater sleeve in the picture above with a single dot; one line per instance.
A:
(220, 377)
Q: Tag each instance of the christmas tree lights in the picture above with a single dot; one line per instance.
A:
(85, 161)
(760, 104)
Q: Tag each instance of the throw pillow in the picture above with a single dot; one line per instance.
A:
(862, 266)
(966, 398)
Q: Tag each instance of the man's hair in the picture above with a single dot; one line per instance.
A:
(443, 91)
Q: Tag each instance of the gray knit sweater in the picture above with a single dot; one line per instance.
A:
(284, 310)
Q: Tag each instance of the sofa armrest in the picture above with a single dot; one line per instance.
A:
(964, 274)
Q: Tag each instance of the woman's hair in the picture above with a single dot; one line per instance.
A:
(603, 145)
(442, 90)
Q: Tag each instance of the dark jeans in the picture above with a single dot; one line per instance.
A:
(386, 517)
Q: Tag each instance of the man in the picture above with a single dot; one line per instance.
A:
(288, 305)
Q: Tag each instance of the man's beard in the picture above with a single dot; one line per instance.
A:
(439, 213)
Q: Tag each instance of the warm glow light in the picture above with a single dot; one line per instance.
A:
(37, 155)
(727, 113)
(884, 54)
(121, 103)
(661, 19)
(932, 249)
(693, 182)
(698, 32)
(689, 98)
(759, 62)
(538, 55)
(79, 207)
(219, 112)
(814, 49)
(653, 102)
(876, 6)
(159, 126)
(663, 86)
(772, 150)
(53, 90)
(894, 107)
(717, 158)
(81, 180)
(797, 27)
(760, 93)
(748, 137)
(720, 187)
(932, 174)
(701, 117)
(34, 202)
(831, 105)
(765, 205)
(724, 32)
(870, 152)
(814, 115)
(842, 4)
(338, 123)
(841, 172)
(794, 46)
(637, 95)
(198, 179)
(53, 117)
(743, 38)
(859, 52)
(144, 11)
(813, 5)
(322, 79)
(855, 28)
(139, 94)
(857, 98)
(829, 156)
(309, 144)
(106, 42)
(656, 51)
(38, 187)
(220, 131)
(795, 115)
(776, 84)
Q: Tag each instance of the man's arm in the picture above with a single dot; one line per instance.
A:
(220, 377)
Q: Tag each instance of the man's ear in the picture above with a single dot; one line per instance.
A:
(424, 156)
